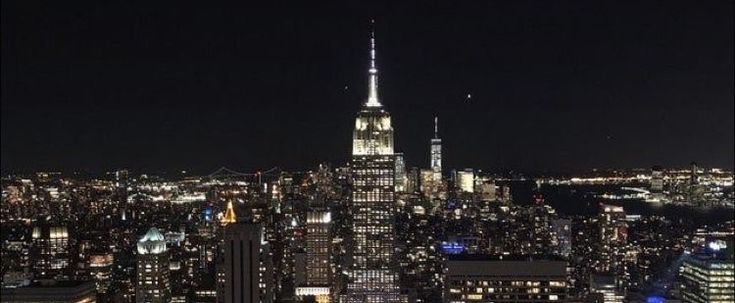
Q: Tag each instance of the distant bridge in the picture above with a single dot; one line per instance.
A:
(226, 173)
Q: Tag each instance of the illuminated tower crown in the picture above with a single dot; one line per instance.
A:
(152, 242)
(373, 134)
(229, 216)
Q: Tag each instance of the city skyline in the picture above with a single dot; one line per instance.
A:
(149, 99)
(573, 163)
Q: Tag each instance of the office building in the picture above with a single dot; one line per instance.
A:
(401, 174)
(487, 190)
(466, 180)
(504, 195)
(694, 174)
(153, 283)
(604, 289)
(613, 236)
(49, 250)
(100, 266)
(427, 183)
(318, 251)
(709, 275)
(246, 272)
(413, 180)
(372, 274)
(657, 179)
(63, 291)
(484, 278)
(562, 237)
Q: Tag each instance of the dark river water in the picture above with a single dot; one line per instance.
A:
(581, 200)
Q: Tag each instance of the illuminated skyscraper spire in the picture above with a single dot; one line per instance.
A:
(372, 72)
(229, 216)
(436, 127)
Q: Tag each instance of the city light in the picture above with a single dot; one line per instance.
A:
(263, 153)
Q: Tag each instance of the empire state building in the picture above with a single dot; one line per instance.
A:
(372, 275)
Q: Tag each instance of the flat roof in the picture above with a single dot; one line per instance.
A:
(508, 266)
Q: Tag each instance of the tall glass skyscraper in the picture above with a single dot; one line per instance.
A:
(372, 275)
(436, 153)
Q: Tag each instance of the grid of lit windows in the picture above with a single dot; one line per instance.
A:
(373, 176)
(708, 279)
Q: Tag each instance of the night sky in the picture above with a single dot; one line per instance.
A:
(555, 85)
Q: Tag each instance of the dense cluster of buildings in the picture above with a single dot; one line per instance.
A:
(371, 231)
